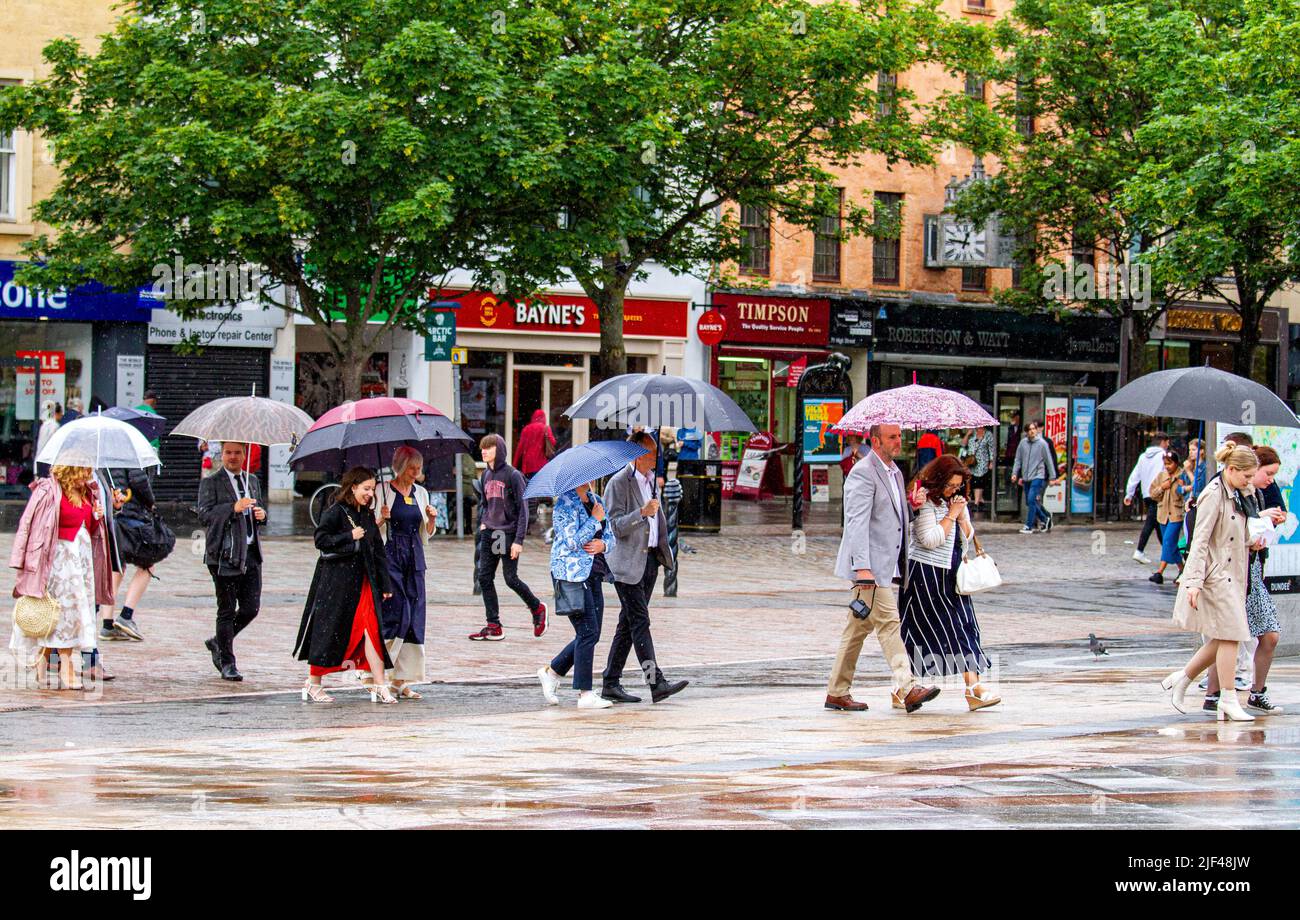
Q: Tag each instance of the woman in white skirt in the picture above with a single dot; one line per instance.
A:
(938, 624)
(61, 551)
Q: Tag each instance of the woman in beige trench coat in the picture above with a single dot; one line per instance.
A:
(1212, 590)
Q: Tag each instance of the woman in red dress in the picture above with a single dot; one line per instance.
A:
(340, 626)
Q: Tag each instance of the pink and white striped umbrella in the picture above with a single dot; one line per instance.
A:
(914, 406)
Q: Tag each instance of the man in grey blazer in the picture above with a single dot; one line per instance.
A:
(632, 508)
(873, 555)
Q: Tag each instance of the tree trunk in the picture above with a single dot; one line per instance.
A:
(613, 352)
(1251, 311)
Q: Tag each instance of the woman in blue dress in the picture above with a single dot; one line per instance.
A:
(409, 518)
(581, 539)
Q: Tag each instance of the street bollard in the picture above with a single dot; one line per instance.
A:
(672, 499)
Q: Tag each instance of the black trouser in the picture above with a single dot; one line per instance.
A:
(633, 628)
(239, 597)
(1149, 525)
(488, 540)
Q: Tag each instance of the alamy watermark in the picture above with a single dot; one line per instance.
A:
(223, 282)
(1084, 282)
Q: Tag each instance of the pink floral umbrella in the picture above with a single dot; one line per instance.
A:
(914, 406)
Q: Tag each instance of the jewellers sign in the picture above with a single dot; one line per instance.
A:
(930, 329)
(760, 319)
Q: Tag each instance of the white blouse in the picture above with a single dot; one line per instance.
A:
(928, 543)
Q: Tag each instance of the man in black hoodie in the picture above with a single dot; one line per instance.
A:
(503, 523)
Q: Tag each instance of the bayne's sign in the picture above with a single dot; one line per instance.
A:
(760, 319)
(567, 313)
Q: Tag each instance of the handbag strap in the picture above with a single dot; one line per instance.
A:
(979, 547)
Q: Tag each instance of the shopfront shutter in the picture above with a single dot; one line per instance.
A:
(185, 382)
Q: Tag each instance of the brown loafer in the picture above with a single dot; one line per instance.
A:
(845, 703)
(915, 697)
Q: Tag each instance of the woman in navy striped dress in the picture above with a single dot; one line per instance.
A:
(938, 624)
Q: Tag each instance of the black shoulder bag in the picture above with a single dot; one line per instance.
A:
(343, 553)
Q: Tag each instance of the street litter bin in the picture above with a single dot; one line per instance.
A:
(700, 510)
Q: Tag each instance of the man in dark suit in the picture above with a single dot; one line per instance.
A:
(230, 508)
(640, 547)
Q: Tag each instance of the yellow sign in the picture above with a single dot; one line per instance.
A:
(460, 356)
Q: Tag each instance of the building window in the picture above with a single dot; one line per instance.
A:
(1024, 110)
(1082, 247)
(974, 278)
(8, 170)
(887, 93)
(826, 244)
(975, 87)
(886, 249)
(756, 233)
(1020, 259)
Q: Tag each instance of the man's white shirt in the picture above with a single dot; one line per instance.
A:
(646, 485)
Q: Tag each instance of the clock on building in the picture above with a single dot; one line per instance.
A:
(964, 243)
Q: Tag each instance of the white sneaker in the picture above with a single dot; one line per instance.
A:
(1025, 530)
(550, 683)
(1139, 556)
(589, 699)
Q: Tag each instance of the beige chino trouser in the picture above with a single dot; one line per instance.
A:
(883, 620)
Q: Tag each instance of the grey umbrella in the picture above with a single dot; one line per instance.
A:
(656, 400)
(1203, 393)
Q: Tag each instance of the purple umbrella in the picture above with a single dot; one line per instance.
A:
(914, 406)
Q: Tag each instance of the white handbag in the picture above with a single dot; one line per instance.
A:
(977, 573)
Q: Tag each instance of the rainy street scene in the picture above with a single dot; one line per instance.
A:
(613, 415)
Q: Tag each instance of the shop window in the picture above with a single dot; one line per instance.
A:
(974, 278)
(826, 244)
(748, 381)
(318, 384)
(483, 395)
(886, 249)
(549, 359)
(756, 238)
(1176, 355)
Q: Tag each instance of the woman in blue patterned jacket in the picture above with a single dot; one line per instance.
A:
(580, 541)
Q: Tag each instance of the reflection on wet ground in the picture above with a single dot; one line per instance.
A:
(1082, 744)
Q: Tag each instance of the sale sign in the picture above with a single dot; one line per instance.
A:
(53, 383)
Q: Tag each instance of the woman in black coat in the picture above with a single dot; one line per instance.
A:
(340, 625)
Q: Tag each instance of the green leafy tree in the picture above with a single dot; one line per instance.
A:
(662, 117)
(353, 153)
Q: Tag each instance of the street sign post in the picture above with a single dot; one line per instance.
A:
(441, 338)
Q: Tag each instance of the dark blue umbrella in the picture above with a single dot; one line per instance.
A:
(148, 424)
(658, 400)
(582, 464)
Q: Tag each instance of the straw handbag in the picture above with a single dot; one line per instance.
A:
(36, 617)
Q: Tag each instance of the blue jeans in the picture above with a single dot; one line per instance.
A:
(1034, 510)
(580, 652)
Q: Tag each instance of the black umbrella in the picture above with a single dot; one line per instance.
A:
(148, 424)
(658, 400)
(1203, 393)
(370, 430)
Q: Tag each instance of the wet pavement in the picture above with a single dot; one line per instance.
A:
(1077, 741)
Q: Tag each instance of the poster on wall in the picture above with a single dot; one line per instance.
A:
(1083, 448)
(130, 380)
(1282, 571)
(282, 379)
(820, 443)
(1056, 426)
(53, 383)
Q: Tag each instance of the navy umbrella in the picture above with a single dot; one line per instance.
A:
(582, 464)
(658, 400)
(149, 424)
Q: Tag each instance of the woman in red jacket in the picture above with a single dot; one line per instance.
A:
(536, 441)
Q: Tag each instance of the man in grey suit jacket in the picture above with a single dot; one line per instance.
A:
(632, 508)
(229, 506)
(873, 555)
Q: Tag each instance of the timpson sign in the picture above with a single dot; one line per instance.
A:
(759, 319)
(567, 313)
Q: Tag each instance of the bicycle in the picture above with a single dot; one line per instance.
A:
(320, 501)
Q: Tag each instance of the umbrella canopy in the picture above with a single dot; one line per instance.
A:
(149, 424)
(250, 419)
(914, 406)
(1204, 393)
(584, 463)
(98, 442)
(657, 400)
(368, 431)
